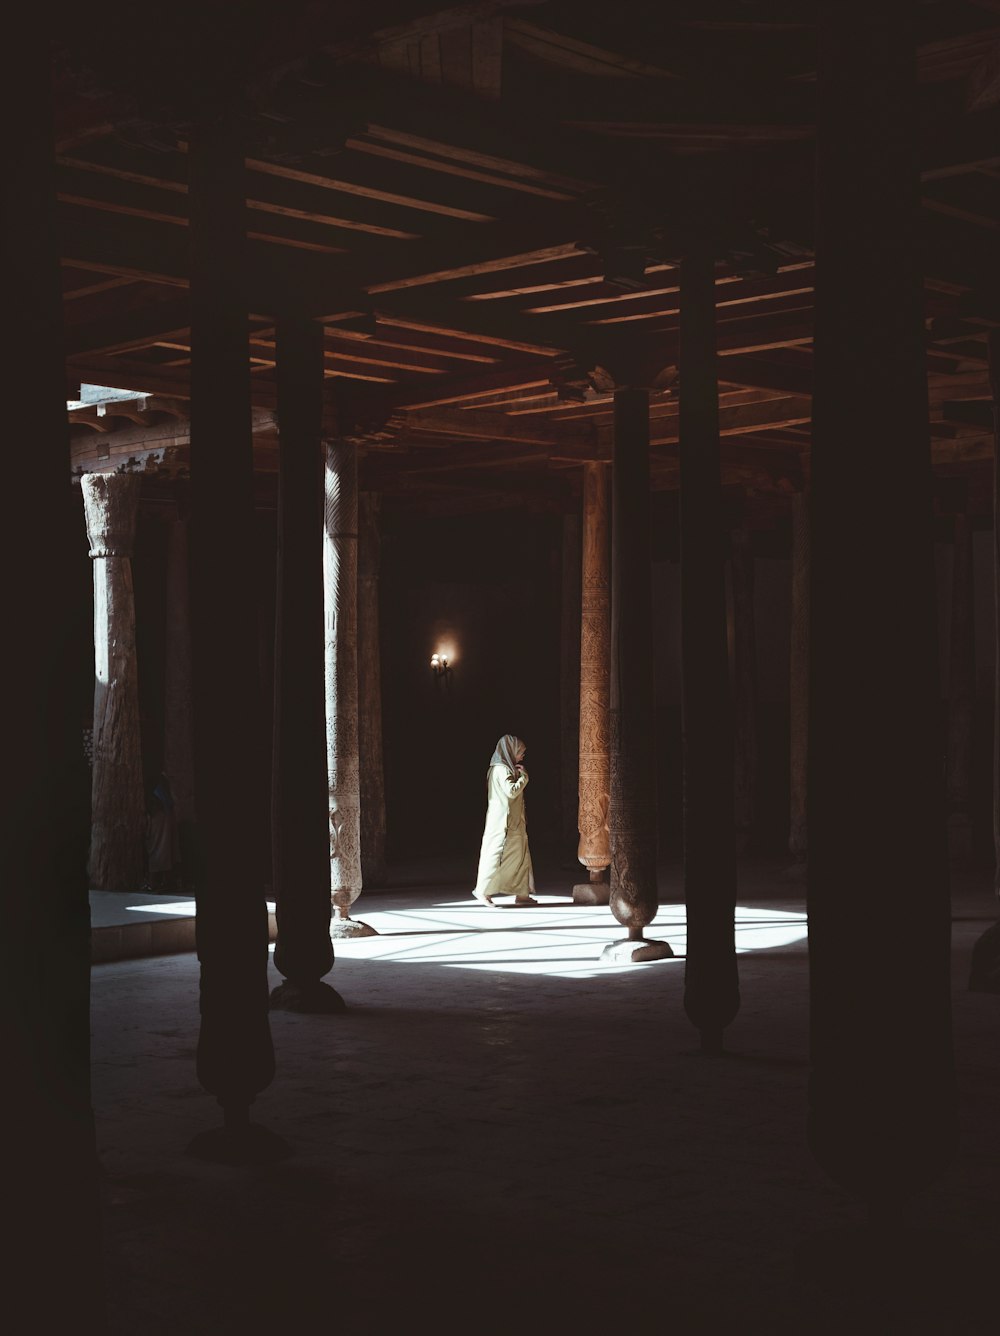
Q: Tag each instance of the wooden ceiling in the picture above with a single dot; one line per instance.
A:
(484, 202)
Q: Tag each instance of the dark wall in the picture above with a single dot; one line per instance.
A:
(486, 588)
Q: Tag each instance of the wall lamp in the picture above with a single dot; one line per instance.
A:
(441, 669)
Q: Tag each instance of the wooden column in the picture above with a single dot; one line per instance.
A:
(51, 1177)
(882, 1110)
(961, 694)
(178, 740)
(744, 686)
(569, 676)
(634, 895)
(300, 858)
(235, 1054)
(994, 363)
(370, 757)
(799, 678)
(118, 811)
(593, 688)
(711, 982)
(340, 573)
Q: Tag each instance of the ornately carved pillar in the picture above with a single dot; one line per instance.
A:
(569, 676)
(235, 1053)
(634, 892)
(881, 1095)
(961, 693)
(799, 678)
(340, 571)
(711, 980)
(370, 755)
(118, 813)
(745, 685)
(178, 741)
(594, 849)
(303, 952)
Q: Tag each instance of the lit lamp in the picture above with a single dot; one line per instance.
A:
(441, 669)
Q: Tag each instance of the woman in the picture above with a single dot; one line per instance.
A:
(505, 861)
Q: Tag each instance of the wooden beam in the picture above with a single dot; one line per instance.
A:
(480, 424)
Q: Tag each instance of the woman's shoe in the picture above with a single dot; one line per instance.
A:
(482, 897)
(524, 902)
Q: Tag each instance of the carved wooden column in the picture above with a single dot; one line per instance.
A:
(745, 685)
(882, 1107)
(570, 650)
(961, 694)
(370, 756)
(178, 741)
(340, 573)
(799, 678)
(235, 1054)
(51, 1177)
(300, 857)
(118, 814)
(711, 981)
(634, 893)
(594, 686)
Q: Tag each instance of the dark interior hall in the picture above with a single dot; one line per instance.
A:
(526, 455)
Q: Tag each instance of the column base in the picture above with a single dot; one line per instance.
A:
(342, 928)
(316, 999)
(629, 952)
(592, 893)
(239, 1145)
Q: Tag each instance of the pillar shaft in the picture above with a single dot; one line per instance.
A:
(711, 994)
(299, 839)
(178, 742)
(570, 651)
(111, 502)
(178, 705)
(370, 755)
(633, 774)
(881, 1094)
(799, 677)
(744, 685)
(235, 1055)
(994, 359)
(340, 566)
(45, 807)
(594, 849)
(961, 694)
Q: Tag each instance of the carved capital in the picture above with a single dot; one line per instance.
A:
(633, 368)
(110, 503)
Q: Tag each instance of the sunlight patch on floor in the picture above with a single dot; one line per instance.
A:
(557, 938)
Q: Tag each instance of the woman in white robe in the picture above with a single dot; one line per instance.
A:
(505, 860)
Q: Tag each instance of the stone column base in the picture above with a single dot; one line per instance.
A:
(239, 1141)
(341, 928)
(317, 999)
(627, 952)
(592, 893)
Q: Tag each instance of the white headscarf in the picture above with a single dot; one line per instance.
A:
(506, 752)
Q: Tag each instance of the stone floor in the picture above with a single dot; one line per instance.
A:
(503, 1135)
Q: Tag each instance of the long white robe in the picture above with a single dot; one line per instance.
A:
(504, 860)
